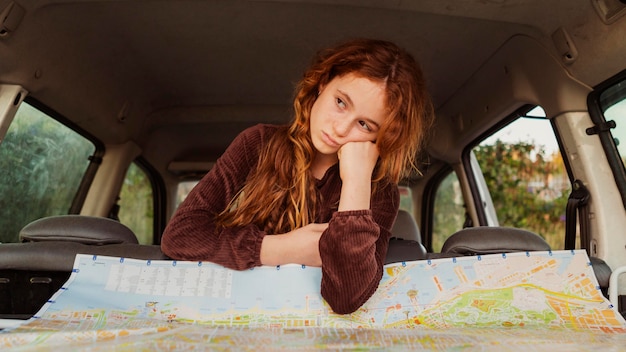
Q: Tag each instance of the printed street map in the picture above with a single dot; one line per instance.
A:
(539, 300)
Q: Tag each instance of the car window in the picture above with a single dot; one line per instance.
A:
(406, 199)
(526, 177)
(448, 210)
(613, 105)
(136, 204)
(183, 190)
(43, 163)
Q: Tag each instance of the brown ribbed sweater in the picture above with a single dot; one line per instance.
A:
(352, 248)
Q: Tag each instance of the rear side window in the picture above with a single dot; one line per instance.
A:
(526, 177)
(613, 106)
(42, 163)
(136, 204)
(523, 183)
(449, 211)
(184, 187)
(406, 199)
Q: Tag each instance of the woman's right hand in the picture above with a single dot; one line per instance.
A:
(300, 246)
(356, 164)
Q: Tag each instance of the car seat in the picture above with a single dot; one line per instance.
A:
(490, 240)
(33, 270)
(406, 244)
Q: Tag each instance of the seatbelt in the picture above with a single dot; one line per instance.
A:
(577, 205)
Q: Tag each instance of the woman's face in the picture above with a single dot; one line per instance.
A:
(348, 109)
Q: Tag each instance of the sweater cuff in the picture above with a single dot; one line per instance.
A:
(255, 247)
(362, 212)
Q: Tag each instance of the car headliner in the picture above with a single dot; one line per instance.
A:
(181, 78)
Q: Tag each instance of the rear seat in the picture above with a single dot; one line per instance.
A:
(77, 228)
(31, 271)
(406, 244)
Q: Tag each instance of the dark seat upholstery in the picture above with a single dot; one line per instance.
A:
(405, 227)
(492, 240)
(77, 228)
(59, 255)
(405, 245)
(31, 271)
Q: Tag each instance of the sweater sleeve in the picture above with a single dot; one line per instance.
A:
(192, 233)
(353, 251)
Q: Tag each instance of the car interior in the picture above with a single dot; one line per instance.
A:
(111, 110)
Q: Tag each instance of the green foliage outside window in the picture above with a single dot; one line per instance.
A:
(529, 188)
(449, 211)
(136, 204)
(42, 163)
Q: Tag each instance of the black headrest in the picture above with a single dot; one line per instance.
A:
(490, 240)
(77, 228)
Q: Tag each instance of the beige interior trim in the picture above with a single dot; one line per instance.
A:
(109, 178)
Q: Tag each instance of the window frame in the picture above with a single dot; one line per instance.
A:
(40, 123)
(602, 128)
(428, 204)
(158, 197)
(94, 160)
(468, 166)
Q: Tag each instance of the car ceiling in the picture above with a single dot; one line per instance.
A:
(168, 75)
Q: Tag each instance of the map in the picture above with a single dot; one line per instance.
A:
(532, 299)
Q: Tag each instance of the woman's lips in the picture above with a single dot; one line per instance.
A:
(328, 140)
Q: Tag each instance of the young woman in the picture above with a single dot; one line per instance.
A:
(322, 191)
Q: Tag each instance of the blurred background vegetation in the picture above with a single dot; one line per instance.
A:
(529, 189)
(42, 163)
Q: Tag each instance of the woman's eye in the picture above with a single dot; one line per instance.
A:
(365, 125)
(340, 103)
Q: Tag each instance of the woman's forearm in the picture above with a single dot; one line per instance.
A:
(300, 246)
(355, 195)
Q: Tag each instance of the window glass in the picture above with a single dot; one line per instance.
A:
(406, 199)
(136, 204)
(449, 211)
(526, 177)
(42, 163)
(612, 104)
(183, 190)
(615, 109)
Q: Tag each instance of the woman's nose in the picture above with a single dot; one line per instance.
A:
(341, 127)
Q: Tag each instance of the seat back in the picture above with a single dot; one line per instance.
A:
(31, 271)
(77, 228)
(405, 227)
(490, 240)
(406, 244)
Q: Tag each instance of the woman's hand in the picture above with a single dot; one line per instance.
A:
(300, 246)
(357, 160)
(356, 165)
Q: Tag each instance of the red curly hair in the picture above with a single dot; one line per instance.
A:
(280, 195)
